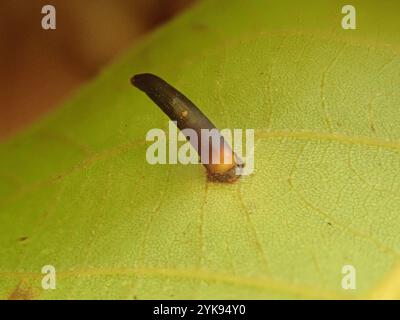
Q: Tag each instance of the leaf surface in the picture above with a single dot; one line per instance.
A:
(77, 193)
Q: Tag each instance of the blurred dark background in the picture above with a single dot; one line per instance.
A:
(39, 68)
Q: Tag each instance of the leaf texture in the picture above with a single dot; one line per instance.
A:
(76, 191)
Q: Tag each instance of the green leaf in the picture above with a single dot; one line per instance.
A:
(77, 193)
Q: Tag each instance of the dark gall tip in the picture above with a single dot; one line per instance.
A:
(144, 81)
